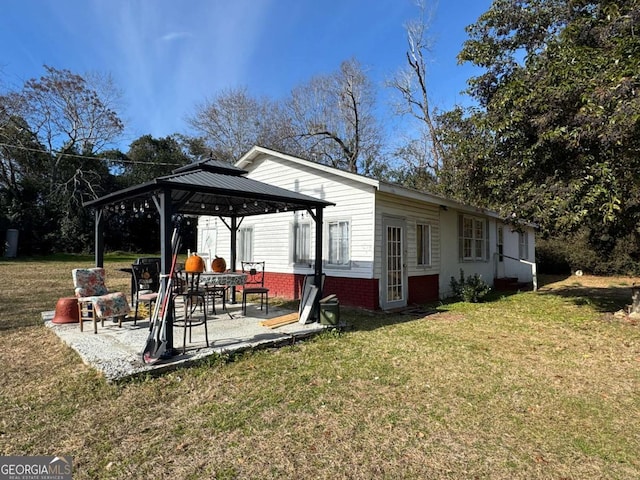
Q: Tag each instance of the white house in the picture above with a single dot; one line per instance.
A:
(385, 246)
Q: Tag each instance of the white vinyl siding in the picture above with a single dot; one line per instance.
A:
(414, 213)
(273, 233)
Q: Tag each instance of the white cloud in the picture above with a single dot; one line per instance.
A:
(172, 36)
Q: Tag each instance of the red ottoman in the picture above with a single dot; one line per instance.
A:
(66, 311)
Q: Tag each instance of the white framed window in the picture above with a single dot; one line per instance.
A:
(500, 243)
(472, 238)
(338, 243)
(301, 243)
(245, 244)
(523, 245)
(423, 244)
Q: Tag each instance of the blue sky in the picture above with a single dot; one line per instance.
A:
(167, 56)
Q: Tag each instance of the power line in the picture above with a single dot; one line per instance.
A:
(74, 155)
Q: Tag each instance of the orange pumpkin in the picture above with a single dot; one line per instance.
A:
(194, 263)
(218, 265)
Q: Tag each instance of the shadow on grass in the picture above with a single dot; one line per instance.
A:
(605, 297)
(354, 318)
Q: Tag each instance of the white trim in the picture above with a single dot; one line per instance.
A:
(473, 239)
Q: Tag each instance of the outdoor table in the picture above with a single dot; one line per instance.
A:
(228, 279)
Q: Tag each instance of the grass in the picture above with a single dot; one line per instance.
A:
(526, 386)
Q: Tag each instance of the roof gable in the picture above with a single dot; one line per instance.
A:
(258, 152)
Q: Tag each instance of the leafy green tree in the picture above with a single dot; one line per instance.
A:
(150, 157)
(555, 138)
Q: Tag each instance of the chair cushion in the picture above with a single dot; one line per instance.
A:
(110, 305)
(89, 282)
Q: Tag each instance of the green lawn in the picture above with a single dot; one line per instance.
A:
(527, 386)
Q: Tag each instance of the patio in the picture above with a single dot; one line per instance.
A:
(116, 352)
(212, 188)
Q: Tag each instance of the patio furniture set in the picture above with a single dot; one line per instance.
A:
(196, 290)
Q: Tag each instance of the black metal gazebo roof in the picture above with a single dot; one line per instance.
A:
(215, 188)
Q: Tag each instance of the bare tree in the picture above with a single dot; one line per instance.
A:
(233, 122)
(69, 114)
(69, 117)
(426, 153)
(333, 121)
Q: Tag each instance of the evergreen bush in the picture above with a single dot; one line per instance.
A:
(472, 289)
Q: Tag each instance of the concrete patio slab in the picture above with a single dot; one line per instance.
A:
(117, 352)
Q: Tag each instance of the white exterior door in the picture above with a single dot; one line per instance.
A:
(394, 271)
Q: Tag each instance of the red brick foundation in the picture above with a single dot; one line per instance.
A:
(354, 292)
(424, 289)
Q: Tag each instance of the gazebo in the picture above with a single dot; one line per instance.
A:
(212, 188)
